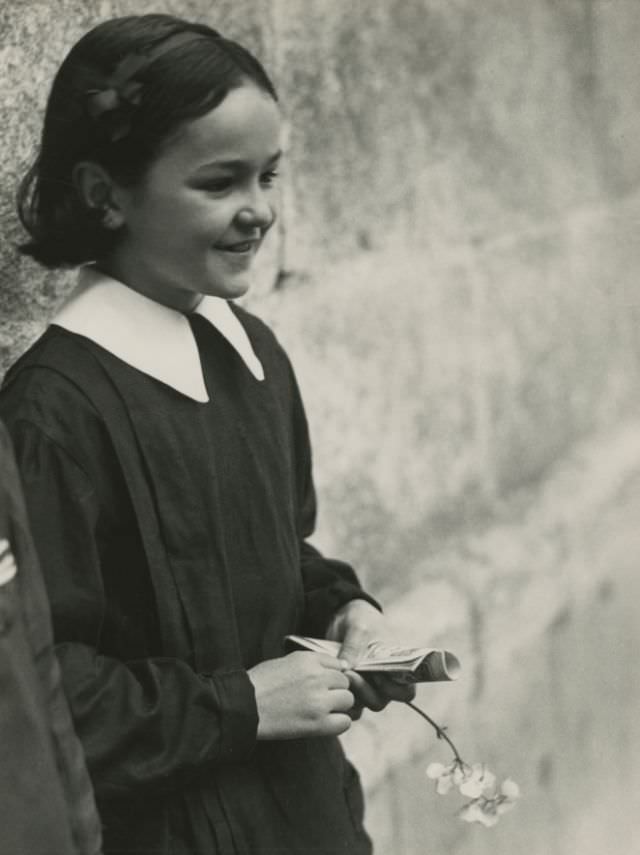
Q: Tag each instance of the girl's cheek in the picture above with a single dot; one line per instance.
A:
(220, 217)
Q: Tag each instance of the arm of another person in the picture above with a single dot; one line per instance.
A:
(74, 780)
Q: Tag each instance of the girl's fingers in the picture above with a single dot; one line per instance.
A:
(366, 693)
(393, 690)
(330, 661)
(342, 700)
(338, 723)
(337, 680)
(355, 643)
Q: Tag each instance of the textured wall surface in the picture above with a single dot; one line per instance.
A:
(454, 276)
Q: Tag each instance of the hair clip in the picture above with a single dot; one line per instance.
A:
(114, 106)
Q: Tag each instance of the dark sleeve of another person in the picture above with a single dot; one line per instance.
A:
(55, 808)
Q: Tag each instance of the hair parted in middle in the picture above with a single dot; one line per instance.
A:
(120, 95)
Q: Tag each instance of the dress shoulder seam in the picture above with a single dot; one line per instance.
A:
(20, 370)
(51, 440)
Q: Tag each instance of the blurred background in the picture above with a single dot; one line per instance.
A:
(455, 276)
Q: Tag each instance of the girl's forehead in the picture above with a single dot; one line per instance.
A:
(246, 125)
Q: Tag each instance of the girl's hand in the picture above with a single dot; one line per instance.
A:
(302, 694)
(355, 625)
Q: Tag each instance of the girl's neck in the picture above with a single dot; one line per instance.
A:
(171, 296)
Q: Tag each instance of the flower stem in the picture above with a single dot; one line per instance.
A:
(439, 731)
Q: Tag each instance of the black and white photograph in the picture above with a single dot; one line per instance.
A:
(319, 427)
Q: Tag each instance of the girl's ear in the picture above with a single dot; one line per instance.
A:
(98, 191)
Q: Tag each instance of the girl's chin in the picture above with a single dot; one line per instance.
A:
(230, 288)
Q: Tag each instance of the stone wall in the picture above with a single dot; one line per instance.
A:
(454, 278)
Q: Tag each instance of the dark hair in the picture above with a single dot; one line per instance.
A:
(184, 78)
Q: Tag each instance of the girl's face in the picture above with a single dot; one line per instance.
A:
(195, 222)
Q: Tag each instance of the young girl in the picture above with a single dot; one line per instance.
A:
(166, 461)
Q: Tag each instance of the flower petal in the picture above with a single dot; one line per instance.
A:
(471, 788)
(510, 789)
(443, 785)
(461, 772)
(435, 770)
(488, 782)
(470, 812)
(488, 819)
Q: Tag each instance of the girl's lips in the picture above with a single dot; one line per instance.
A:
(238, 256)
(240, 247)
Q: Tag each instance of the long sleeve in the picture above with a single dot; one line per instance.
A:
(144, 722)
(72, 773)
(328, 583)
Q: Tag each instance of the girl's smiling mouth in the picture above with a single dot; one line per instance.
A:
(244, 247)
(238, 256)
(239, 247)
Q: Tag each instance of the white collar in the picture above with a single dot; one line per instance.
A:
(148, 336)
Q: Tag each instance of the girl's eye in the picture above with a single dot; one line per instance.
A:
(268, 178)
(218, 185)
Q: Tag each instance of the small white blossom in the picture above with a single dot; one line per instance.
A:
(488, 807)
(477, 782)
(480, 782)
(479, 811)
(447, 777)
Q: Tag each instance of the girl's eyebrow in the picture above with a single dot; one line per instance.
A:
(235, 163)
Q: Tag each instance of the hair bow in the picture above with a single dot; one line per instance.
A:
(114, 106)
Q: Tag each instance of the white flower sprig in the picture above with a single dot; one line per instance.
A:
(478, 783)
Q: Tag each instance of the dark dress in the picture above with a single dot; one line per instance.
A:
(46, 803)
(172, 538)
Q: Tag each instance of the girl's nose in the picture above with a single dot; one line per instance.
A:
(257, 214)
